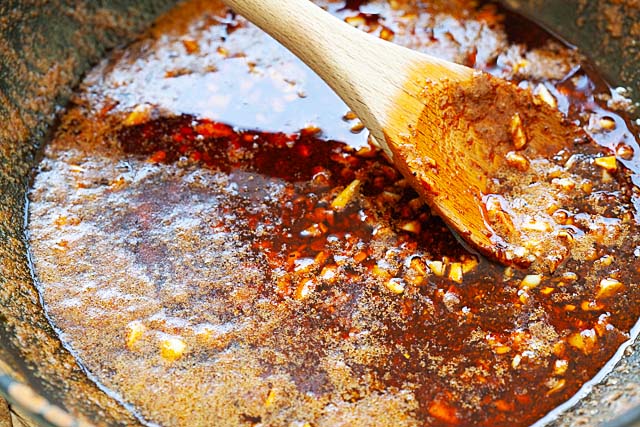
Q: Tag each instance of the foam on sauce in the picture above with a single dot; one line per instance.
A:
(218, 244)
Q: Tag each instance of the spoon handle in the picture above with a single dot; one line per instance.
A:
(333, 49)
(365, 71)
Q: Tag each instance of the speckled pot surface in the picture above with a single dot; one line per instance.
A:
(46, 46)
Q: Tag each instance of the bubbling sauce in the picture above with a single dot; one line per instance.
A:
(217, 243)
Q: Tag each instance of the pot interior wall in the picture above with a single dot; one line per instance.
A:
(606, 31)
(45, 47)
(44, 50)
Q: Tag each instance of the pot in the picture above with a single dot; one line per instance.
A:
(45, 47)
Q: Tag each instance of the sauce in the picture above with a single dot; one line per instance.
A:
(217, 243)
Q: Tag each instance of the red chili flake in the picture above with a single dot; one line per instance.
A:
(442, 410)
(360, 256)
(303, 149)
(148, 131)
(158, 156)
(191, 46)
(279, 140)
(186, 132)
(471, 58)
(108, 106)
(347, 174)
(214, 130)
(206, 157)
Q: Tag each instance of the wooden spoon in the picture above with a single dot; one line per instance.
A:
(453, 132)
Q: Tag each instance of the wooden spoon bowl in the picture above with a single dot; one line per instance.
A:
(461, 137)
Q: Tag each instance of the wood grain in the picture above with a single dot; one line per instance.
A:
(5, 414)
(368, 73)
(437, 121)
